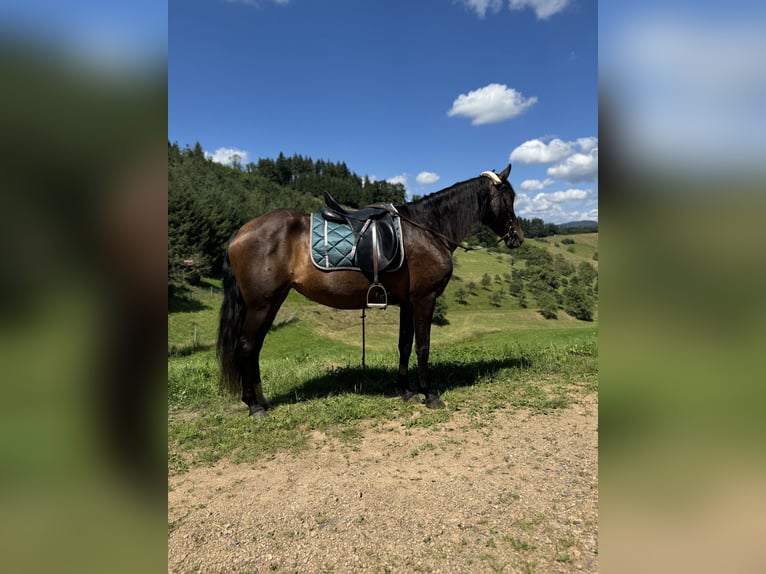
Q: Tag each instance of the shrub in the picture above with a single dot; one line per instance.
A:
(440, 312)
(547, 305)
(586, 272)
(577, 302)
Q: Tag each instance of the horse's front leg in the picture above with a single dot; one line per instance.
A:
(406, 334)
(423, 312)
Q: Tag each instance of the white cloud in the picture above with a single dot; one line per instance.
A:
(399, 179)
(577, 167)
(535, 184)
(490, 104)
(558, 206)
(561, 196)
(427, 177)
(481, 6)
(537, 151)
(571, 165)
(227, 155)
(544, 9)
(587, 144)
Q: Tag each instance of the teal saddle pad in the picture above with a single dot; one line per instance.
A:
(333, 244)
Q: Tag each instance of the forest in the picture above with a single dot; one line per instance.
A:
(208, 202)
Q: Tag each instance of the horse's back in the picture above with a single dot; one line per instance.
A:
(272, 222)
(263, 252)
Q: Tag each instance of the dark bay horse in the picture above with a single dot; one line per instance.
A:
(270, 255)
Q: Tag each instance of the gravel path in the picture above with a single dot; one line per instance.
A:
(517, 493)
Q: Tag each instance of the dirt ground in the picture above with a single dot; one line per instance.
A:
(517, 493)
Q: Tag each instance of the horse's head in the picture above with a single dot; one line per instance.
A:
(500, 217)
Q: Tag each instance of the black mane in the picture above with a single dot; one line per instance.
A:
(453, 211)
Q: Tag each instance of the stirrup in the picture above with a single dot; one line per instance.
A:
(376, 289)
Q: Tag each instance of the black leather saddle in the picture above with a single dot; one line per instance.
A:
(376, 242)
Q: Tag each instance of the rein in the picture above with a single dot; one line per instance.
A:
(441, 236)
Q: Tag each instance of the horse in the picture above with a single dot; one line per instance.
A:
(270, 255)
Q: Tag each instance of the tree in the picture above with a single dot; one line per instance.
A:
(486, 280)
(197, 151)
(483, 236)
(586, 272)
(387, 192)
(461, 295)
(516, 287)
(538, 228)
(577, 302)
(547, 304)
(563, 267)
(440, 312)
(533, 255)
(283, 171)
(542, 278)
(267, 168)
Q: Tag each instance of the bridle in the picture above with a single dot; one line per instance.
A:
(493, 177)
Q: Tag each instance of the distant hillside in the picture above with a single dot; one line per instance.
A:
(584, 223)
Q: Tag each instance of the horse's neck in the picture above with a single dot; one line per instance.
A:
(453, 213)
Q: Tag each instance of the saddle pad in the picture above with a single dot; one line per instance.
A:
(332, 244)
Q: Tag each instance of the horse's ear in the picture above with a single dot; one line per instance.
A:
(505, 173)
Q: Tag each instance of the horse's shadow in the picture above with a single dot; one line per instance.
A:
(379, 381)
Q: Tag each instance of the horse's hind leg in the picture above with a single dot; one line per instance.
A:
(257, 324)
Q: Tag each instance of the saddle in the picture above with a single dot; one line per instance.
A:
(376, 242)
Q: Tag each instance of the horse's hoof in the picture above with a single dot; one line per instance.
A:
(435, 403)
(258, 412)
(410, 397)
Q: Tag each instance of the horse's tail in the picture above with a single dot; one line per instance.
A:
(232, 320)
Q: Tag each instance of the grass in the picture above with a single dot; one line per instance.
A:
(486, 359)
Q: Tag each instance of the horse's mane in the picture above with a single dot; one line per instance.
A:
(453, 211)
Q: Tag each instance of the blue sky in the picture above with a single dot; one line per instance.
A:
(427, 93)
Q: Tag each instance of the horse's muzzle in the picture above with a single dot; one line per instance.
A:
(513, 238)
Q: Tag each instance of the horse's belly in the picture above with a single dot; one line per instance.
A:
(339, 289)
(345, 289)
